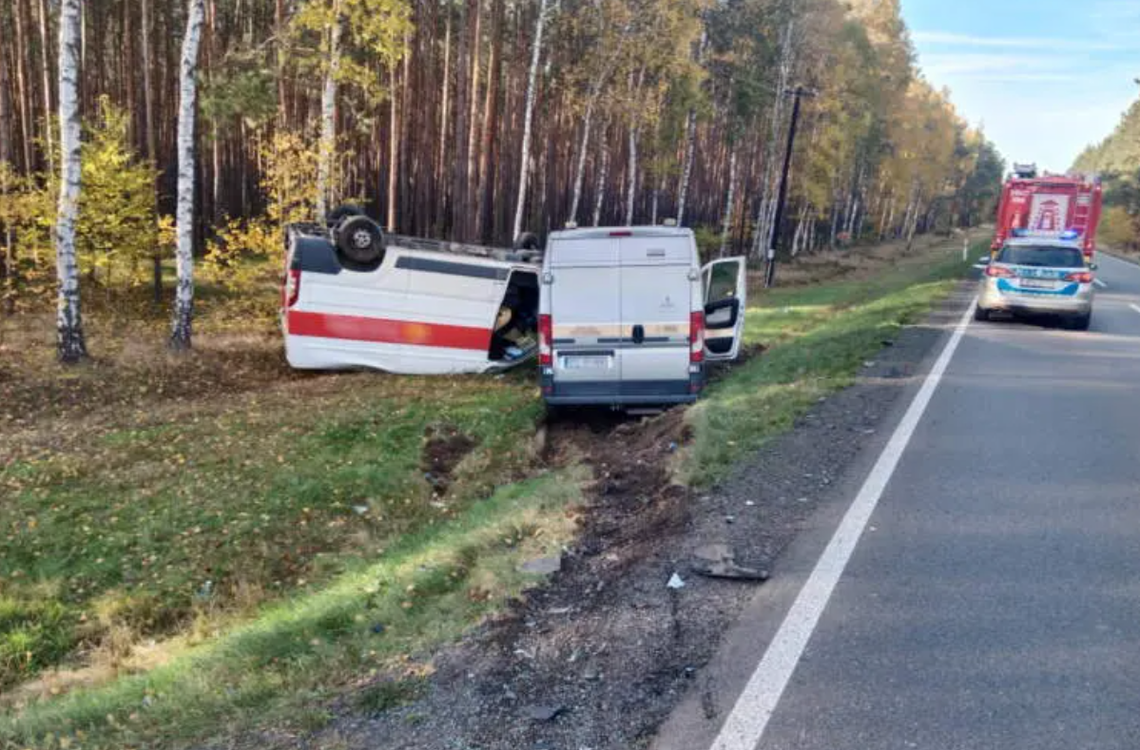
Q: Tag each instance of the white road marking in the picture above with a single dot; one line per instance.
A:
(754, 708)
(1134, 307)
(1100, 283)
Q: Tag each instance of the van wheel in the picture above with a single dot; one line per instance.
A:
(980, 313)
(335, 216)
(527, 241)
(1081, 322)
(360, 240)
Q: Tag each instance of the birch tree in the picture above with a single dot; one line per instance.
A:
(528, 116)
(184, 299)
(69, 322)
(333, 32)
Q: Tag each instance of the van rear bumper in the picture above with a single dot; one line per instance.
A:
(621, 393)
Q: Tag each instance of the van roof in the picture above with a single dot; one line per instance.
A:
(593, 233)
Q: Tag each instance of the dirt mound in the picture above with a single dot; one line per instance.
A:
(444, 447)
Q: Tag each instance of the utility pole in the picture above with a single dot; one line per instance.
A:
(782, 197)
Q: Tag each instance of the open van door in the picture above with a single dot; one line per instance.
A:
(725, 286)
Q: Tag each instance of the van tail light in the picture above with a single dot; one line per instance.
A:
(999, 272)
(1081, 277)
(545, 340)
(292, 288)
(696, 337)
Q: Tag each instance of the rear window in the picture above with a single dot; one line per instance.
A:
(1044, 255)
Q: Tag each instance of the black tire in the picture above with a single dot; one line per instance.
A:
(359, 241)
(527, 241)
(340, 213)
(980, 313)
(1081, 322)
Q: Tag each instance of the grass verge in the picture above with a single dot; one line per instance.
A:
(816, 338)
(302, 652)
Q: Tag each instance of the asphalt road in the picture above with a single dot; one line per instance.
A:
(993, 599)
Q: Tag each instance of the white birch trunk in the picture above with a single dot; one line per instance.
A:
(528, 117)
(603, 170)
(726, 225)
(328, 114)
(580, 167)
(69, 322)
(631, 197)
(765, 218)
(687, 167)
(184, 214)
(690, 143)
(656, 195)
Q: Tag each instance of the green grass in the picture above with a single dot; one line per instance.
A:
(301, 652)
(816, 339)
(145, 528)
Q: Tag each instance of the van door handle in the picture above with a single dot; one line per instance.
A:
(638, 334)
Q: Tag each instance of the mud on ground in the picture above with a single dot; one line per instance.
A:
(599, 657)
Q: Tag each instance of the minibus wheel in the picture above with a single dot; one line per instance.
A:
(359, 240)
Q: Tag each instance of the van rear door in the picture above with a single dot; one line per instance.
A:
(655, 309)
(725, 285)
(585, 312)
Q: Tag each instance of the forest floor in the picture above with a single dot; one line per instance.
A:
(211, 545)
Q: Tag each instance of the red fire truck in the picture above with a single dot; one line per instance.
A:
(1049, 206)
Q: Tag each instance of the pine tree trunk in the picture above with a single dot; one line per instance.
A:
(444, 113)
(27, 127)
(488, 165)
(45, 63)
(184, 300)
(328, 113)
(393, 149)
(6, 165)
(69, 321)
(729, 200)
(528, 117)
(470, 216)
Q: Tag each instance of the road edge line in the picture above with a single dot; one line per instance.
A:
(746, 723)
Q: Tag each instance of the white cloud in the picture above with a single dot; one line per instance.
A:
(971, 64)
(1043, 44)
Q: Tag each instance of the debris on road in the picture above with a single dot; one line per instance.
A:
(675, 582)
(718, 561)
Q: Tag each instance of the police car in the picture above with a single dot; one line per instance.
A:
(1041, 275)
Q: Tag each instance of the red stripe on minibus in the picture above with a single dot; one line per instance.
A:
(383, 330)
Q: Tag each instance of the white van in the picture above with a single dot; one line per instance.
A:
(628, 316)
(354, 297)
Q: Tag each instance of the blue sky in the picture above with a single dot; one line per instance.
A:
(1045, 77)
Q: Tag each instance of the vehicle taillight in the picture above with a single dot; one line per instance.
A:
(545, 339)
(1081, 277)
(696, 337)
(999, 272)
(292, 286)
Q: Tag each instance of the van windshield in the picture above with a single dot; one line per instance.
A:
(1041, 255)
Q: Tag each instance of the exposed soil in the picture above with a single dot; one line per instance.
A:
(444, 447)
(599, 657)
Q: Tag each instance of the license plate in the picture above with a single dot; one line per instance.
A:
(586, 362)
(1036, 283)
